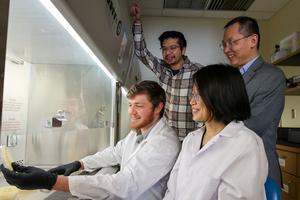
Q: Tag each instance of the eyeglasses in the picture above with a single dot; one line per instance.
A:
(232, 43)
(195, 97)
(172, 48)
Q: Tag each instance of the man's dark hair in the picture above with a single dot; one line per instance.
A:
(222, 89)
(155, 93)
(248, 26)
(175, 35)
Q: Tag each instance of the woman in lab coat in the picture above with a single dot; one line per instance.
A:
(223, 159)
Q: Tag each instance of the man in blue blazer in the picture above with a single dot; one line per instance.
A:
(265, 84)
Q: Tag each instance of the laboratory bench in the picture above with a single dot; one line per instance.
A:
(44, 195)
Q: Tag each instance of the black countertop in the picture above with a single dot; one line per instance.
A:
(289, 137)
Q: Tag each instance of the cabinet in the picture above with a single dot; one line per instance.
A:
(289, 160)
(292, 59)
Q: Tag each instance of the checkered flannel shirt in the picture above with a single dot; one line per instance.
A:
(178, 87)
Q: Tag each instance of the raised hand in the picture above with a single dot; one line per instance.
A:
(135, 12)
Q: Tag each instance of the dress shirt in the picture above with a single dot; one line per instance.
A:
(144, 168)
(247, 65)
(178, 87)
(232, 165)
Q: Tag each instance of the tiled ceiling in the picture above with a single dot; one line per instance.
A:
(260, 9)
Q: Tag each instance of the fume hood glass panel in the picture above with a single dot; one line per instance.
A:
(76, 120)
(57, 104)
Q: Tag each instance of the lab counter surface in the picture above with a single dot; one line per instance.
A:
(12, 193)
(45, 195)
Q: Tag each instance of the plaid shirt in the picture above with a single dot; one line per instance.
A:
(178, 111)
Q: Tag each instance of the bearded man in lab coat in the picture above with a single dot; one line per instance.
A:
(146, 157)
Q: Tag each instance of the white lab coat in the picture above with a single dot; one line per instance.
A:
(144, 169)
(232, 165)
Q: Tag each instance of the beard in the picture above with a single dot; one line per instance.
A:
(142, 122)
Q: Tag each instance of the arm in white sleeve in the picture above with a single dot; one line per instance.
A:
(152, 162)
(108, 157)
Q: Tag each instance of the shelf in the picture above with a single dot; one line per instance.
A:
(293, 91)
(292, 59)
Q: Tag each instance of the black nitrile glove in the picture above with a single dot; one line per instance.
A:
(66, 169)
(28, 178)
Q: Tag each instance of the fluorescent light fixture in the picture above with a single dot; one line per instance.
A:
(60, 18)
(124, 91)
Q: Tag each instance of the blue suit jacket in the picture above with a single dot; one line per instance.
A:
(265, 86)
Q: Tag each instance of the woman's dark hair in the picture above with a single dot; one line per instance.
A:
(223, 92)
(155, 93)
(175, 35)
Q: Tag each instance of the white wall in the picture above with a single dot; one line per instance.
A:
(284, 23)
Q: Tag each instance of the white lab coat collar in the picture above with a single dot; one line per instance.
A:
(230, 129)
(227, 132)
(154, 131)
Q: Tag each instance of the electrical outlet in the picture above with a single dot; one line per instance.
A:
(12, 140)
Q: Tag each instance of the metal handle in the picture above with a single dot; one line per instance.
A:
(289, 188)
